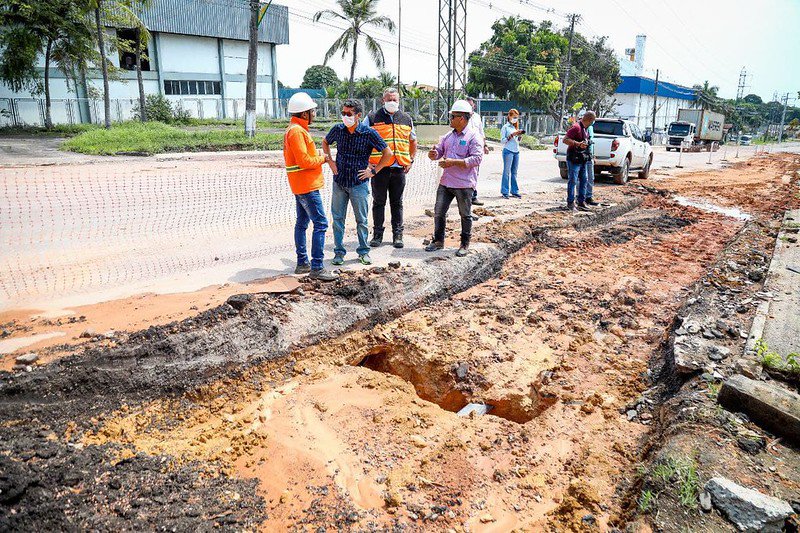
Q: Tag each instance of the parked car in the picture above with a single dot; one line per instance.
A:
(619, 149)
(745, 140)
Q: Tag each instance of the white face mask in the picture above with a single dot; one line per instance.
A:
(348, 121)
(513, 120)
(391, 106)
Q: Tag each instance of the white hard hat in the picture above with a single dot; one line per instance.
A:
(300, 102)
(461, 106)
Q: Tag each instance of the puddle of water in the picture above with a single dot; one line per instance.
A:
(732, 212)
(12, 345)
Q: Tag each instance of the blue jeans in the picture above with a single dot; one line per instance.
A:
(589, 179)
(309, 209)
(510, 164)
(358, 197)
(577, 176)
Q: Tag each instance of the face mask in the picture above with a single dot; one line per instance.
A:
(392, 106)
(514, 120)
(349, 121)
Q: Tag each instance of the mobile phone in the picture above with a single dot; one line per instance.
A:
(522, 132)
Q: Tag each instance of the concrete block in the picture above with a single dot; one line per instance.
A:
(748, 509)
(768, 405)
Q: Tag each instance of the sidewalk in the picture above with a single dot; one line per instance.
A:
(778, 320)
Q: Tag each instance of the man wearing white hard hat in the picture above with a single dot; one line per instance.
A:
(304, 169)
(459, 153)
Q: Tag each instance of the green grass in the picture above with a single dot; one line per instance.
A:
(675, 475)
(156, 138)
(646, 500)
(58, 130)
(529, 142)
(774, 361)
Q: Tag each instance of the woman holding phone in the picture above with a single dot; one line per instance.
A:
(509, 137)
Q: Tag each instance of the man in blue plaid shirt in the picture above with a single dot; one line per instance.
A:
(351, 174)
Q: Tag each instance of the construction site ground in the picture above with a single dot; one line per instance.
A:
(334, 407)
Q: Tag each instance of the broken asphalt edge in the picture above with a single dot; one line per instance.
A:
(222, 341)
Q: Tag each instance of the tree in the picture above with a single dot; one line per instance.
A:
(594, 75)
(252, 72)
(97, 6)
(753, 99)
(368, 88)
(387, 79)
(525, 61)
(707, 96)
(127, 15)
(358, 14)
(318, 77)
(57, 29)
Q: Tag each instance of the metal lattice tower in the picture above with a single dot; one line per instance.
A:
(452, 53)
(742, 84)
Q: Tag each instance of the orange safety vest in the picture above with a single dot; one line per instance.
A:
(396, 131)
(303, 165)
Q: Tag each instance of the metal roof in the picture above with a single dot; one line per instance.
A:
(642, 85)
(227, 19)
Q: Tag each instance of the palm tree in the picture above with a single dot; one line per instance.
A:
(122, 13)
(707, 94)
(357, 14)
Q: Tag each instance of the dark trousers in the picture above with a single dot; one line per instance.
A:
(444, 197)
(391, 181)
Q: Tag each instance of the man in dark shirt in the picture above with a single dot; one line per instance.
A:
(577, 141)
(351, 173)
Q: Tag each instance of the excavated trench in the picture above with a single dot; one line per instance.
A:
(446, 385)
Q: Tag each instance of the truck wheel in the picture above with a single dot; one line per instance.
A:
(564, 173)
(621, 177)
(646, 170)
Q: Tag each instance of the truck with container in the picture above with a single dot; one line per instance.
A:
(695, 129)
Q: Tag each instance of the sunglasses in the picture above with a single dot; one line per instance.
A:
(452, 116)
(348, 114)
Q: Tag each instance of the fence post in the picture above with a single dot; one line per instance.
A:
(70, 118)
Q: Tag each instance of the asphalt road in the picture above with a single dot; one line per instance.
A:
(102, 228)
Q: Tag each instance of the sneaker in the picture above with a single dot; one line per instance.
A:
(583, 207)
(590, 201)
(516, 195)
(505, 196)
(397, 240)
(477, 202)
(323, 275)
(462, 252)
(303, 268)
(365, 259)
(570, 207)
(377, 240)
(337, 260)
(432, 247)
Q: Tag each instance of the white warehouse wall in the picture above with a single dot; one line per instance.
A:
(188, 53)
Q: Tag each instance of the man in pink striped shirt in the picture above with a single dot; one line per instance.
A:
(459, 153)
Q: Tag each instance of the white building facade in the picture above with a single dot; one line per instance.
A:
(636, 94)
(197, 58)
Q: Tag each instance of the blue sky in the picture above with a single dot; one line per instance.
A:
(689, 41)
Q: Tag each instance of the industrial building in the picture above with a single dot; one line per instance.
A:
(197, 54)
(633, 99)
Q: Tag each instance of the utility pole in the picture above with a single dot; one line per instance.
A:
(252, 72)
(573, 18)
(739, 96)
(399, 39)
(783, 117)
(655, 99)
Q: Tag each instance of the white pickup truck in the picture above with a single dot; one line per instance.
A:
(619, 148)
